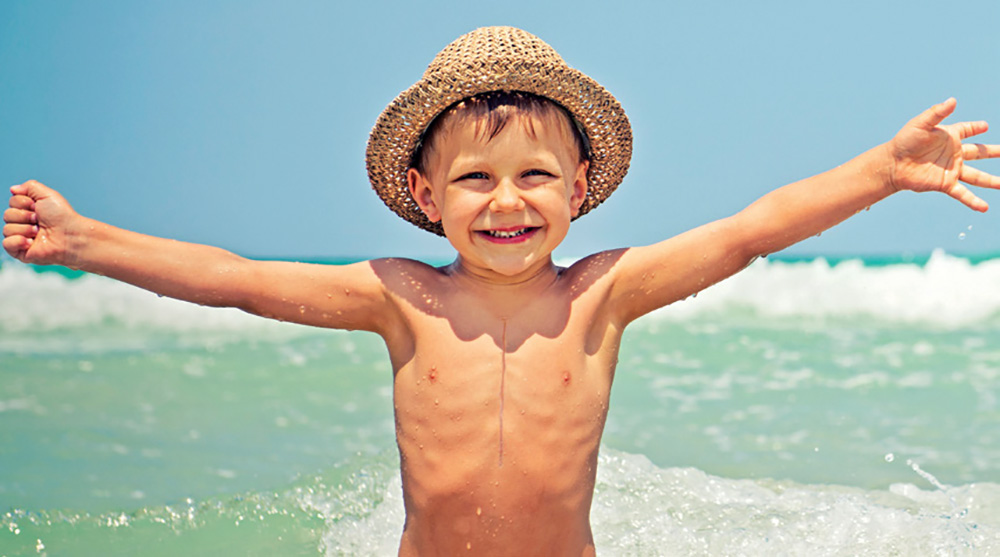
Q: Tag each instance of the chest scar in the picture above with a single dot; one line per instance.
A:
(503, 375)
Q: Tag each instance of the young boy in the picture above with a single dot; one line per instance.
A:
(502, 361)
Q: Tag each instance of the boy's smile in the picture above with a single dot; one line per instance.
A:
(505, 202)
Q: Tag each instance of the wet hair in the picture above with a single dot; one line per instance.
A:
(492, 112)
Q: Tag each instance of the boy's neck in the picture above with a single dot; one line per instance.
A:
(541, 274)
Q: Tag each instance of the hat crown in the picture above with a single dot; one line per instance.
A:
(493, 48)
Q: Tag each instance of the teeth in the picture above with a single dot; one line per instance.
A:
(506, 233)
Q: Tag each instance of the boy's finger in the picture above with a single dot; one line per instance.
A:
(20, 216)
(16, 246)
(22, 202)
(26, 230)
(975, 151)
(968, 129)
(976, 177)
(934, 115)
(968, 198)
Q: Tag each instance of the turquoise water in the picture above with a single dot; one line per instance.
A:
(801, 408)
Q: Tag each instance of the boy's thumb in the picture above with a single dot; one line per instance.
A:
(33, 189)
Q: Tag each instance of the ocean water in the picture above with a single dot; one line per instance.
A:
(801, 408)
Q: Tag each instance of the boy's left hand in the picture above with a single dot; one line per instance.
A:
(928, 156)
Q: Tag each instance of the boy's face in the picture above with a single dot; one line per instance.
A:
(505, 203)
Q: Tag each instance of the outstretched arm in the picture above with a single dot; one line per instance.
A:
(924, 156)
(42, 228)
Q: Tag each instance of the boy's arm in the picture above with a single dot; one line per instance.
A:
(42, 228)
(923, 156)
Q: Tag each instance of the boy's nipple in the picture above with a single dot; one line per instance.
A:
(565, 378)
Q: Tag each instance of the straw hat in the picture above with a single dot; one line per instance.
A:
(496, 59)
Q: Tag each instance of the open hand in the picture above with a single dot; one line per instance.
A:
(931, 157)
(37, 225)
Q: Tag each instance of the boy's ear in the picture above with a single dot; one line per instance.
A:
(579, 193)
(420, 190)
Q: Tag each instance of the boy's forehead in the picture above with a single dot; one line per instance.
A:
(462, 133)
(467, 125)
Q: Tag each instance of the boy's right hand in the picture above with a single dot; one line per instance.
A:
(37, 224)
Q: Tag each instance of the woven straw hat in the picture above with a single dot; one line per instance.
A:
(496, 59)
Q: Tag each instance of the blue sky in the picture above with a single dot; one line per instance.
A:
(243, 124)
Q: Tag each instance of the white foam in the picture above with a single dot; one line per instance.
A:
(641, 509)
(946, 291)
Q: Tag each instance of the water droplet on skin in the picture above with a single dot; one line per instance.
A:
(302, 310)
(436, 402)
(347, 292)
(479, 511)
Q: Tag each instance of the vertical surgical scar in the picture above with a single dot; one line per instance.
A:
(503, 374)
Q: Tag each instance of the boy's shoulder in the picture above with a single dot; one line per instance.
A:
(393, 270)
(597, 267)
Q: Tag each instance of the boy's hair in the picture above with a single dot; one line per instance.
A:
(494, 110)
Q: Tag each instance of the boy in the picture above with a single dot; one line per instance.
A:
(502, 362)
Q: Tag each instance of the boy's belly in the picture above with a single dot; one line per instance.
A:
(499, 456)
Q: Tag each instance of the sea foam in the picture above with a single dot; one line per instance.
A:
(946, 291)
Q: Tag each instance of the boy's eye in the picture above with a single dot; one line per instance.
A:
(537, 172)
(473, 176)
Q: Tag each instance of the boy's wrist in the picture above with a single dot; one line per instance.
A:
(882, 166)
(78, 236)
(887, 171)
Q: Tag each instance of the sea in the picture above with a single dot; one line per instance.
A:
(808, 406)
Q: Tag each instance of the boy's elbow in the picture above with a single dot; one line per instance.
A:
(231, 284)
(743, 241)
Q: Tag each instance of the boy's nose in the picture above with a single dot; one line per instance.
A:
(506, 198)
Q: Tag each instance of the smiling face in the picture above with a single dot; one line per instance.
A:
(505, 201)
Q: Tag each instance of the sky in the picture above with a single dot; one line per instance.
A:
(243, 124)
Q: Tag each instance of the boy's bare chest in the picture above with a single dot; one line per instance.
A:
(526, 381)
